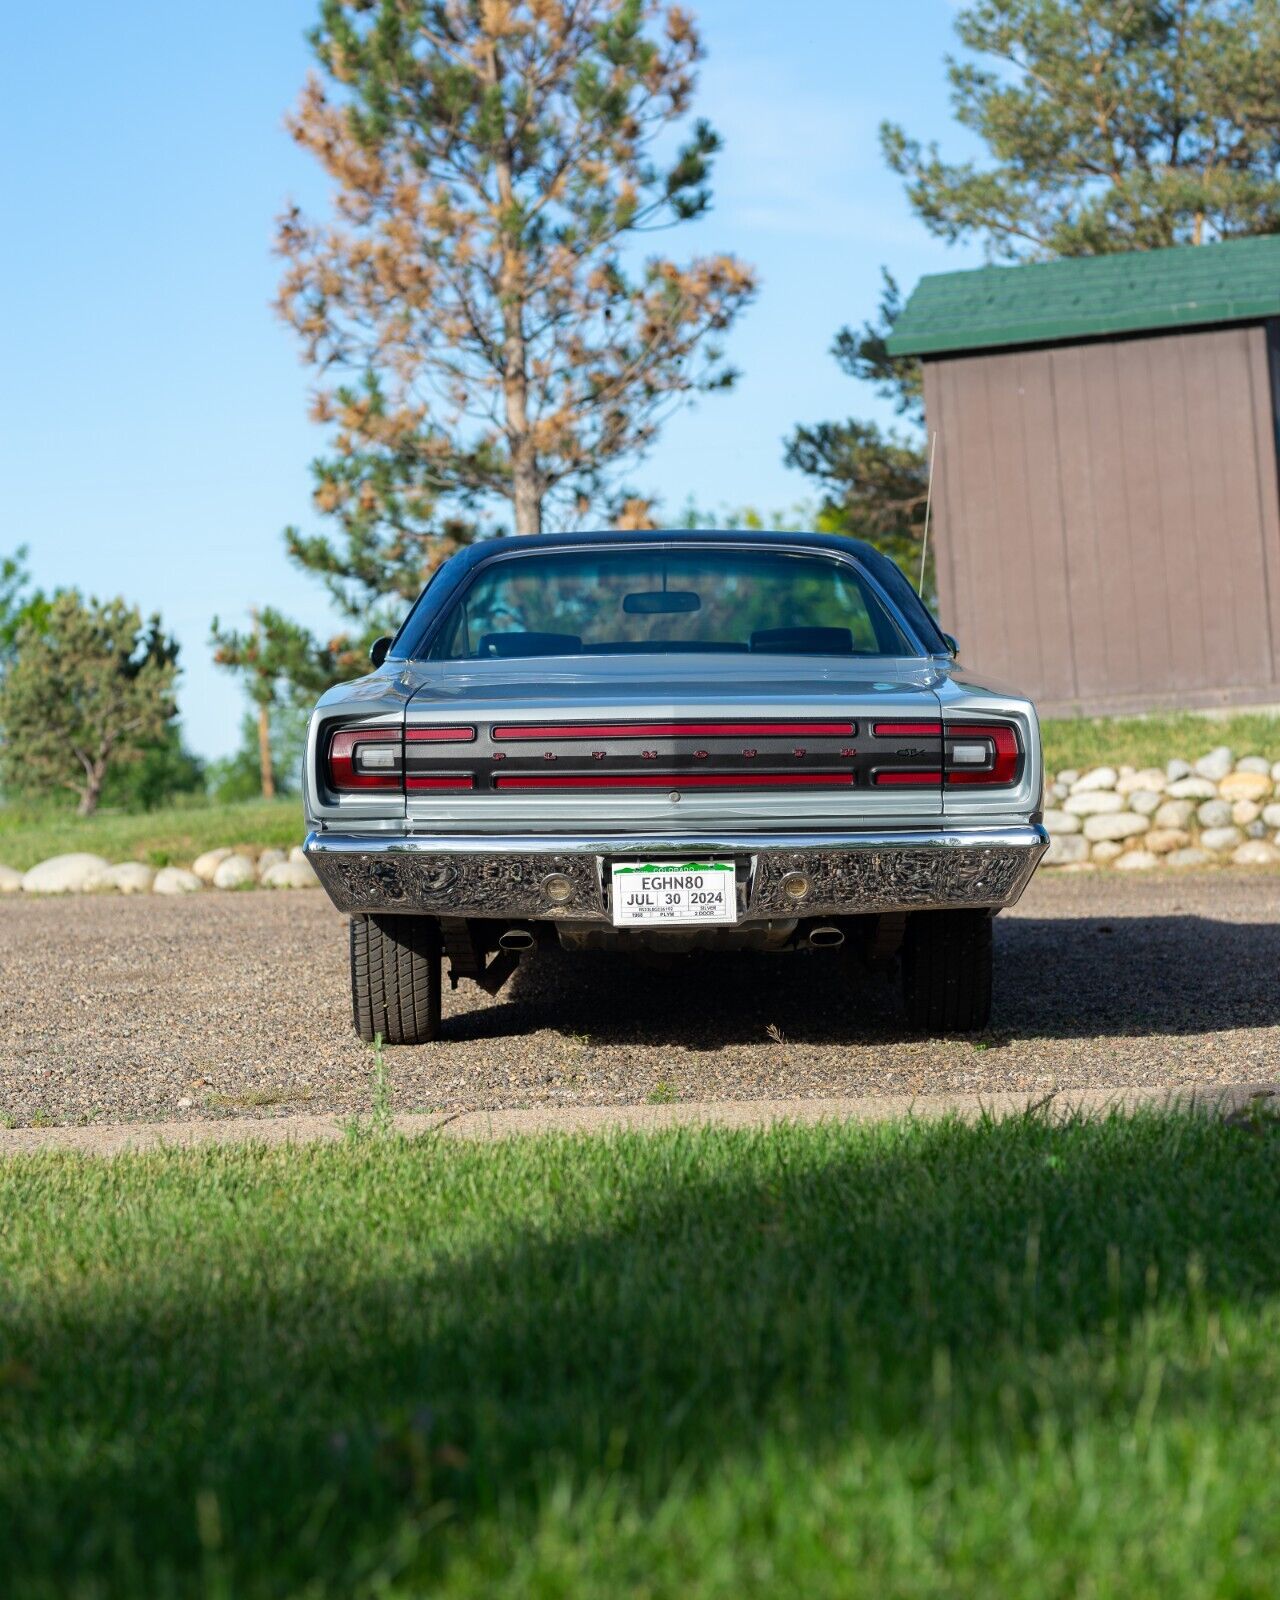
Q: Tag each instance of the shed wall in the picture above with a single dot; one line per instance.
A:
(1108, 519)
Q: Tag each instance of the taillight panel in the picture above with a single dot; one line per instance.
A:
(986, 755)
(393, 760)
(364, 759)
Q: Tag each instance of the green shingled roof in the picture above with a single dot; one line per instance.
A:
(1049, 302)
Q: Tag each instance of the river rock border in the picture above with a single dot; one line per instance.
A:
(1214, 811)
(228, 867)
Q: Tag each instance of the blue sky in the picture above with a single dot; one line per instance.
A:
(153, 427)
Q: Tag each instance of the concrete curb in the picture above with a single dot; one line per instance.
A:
(115, 1139)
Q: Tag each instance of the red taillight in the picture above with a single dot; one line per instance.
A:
(366, 758)
(1002, 757)
(681, 780)
(907, 730)
(510, 732)
(431, 735)
(440, 780)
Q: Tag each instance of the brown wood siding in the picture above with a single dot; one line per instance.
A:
(1107, 519)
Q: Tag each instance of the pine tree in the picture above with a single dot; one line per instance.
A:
(478, 298)
(280, 663)
(1109, 126)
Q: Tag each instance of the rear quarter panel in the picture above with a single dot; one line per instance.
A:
(968, 696)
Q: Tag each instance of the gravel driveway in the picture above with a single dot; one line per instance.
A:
(237, 1004)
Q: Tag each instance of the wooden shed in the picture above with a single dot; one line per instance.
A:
(1106, 502)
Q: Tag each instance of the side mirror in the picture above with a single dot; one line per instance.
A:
(953, 644)
(378, 650)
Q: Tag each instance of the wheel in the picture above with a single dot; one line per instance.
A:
(946, 971)
(395, 979)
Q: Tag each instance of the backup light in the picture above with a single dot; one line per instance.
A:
(1000, 761)
(365, 758)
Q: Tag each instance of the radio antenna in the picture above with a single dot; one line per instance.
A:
(928, 503)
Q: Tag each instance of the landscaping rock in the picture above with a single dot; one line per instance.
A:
(1193, 789)
(1275, 772)
(1143, 801)
(1221, 838)
(297, 853)
(1271, 815)
(1213, 814)
(1068, 777)
(1065, 849)
(176, 880)
(206, 865)
(1061, 822)
(270, 858)
(130, 877)
(300, 875)
(1189, 858)
(1216, 764)
(1254, 764)
(1244, 812)
(1096, 778)
(1175, 813)
(69, 874)
(233, 872)
(10, 880)
(1246, 786)
(1093, 802)
(1257, 829)
(1160, 841)
(1137, 861)
(1255, 853)
(1153, 778)
(1106, 851)
(1177, 768)
(1114, 825)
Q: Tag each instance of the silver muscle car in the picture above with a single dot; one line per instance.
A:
(672, 741)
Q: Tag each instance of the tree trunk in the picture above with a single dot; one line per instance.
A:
(526, 496)
(265, 764)
(526, 483)
(91, 793)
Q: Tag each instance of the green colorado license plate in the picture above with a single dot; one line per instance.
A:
(648, 893)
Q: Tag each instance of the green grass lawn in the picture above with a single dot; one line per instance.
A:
(910, 1360)
(176, 835)
(1151, 741)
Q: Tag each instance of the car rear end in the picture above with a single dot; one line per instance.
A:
(762, 798)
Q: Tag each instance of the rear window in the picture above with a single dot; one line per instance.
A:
(610, 602)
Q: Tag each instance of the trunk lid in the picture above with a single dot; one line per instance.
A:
(670, 744)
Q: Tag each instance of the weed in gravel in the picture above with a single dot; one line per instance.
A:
(380, 1122)
(663, 1093)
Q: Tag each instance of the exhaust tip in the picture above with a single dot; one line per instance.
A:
(826, 936)
(516, 939)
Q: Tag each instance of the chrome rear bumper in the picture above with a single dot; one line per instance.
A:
(486, 875)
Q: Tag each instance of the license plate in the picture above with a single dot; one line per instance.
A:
(647, 893)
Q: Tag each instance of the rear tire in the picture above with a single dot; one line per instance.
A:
(395, 979)
(946, 971)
